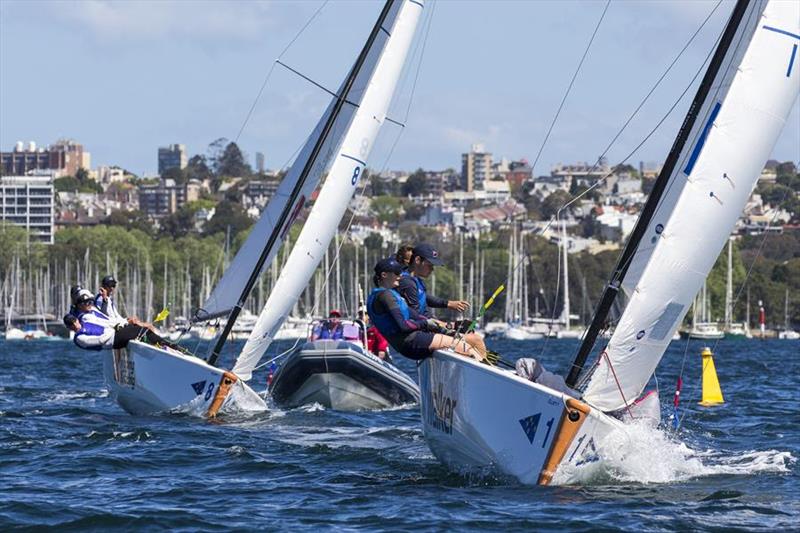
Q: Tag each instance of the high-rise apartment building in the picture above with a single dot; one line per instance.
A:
(27, 201)
(476, 167)
(260, 162)
(64, 157)
(172, 156)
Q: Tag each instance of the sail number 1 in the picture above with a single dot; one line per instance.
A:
(531, 423)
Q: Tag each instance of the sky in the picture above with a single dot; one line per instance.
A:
(124, 78)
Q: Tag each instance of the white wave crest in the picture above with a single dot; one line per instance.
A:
(639, 453)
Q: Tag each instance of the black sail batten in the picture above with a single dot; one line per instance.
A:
(659, 188)
(341, 99)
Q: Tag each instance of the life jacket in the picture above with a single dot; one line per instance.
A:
(422, 296)
(109, 309)
(97, 317)
(384, 321)
(88, 329)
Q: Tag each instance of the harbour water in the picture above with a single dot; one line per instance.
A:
(70, 457)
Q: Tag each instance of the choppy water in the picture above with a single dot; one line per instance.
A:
(70, 457)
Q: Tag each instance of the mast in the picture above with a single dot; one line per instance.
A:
(298, 187)
(566, 274)
(659, 189)
(729, 287)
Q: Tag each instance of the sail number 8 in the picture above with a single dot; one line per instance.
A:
(356, 174)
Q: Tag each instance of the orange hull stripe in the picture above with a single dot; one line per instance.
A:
(565, 434)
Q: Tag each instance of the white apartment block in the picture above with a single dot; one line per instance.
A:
(476, 168)
(27, 201)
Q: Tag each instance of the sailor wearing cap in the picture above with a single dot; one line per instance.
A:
(410, 333)
(423, 258)
(104, 301)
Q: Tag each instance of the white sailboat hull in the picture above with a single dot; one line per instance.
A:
(788, 335)
(144, 380)
(479, 418)
(520, 333)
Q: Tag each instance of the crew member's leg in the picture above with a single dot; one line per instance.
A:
(476, 341)
(125, 334)
(460, 346)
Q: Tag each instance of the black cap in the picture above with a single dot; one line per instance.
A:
(389, 264)
(428, 252)
(69, 319)
(74, 292)
(83, 297)
(109, 281)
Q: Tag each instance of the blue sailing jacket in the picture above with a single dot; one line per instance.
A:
(384, 321)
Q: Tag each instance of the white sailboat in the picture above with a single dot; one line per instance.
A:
(145, 379)
(358, 369)
(788, 334)
(476, 416)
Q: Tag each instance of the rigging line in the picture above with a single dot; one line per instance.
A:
(272, 68)
(383, 168)
(650, 93)
(309, 80)
(569, 88)
(419, 63)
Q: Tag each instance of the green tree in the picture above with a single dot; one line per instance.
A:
(131, 220)
(197, 168)
(232, 163)
(228, 214)
(386, 208)
(415, 184)
(554, 202)
(72, 184)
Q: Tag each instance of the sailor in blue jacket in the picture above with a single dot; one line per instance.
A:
(410, 333)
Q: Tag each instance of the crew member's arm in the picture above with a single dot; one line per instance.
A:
(408, 290)
(441, 303)
(389, 304)
(93, 342)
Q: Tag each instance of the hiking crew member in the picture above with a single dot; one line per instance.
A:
(412, 288)
(423, 258)
(96, 331)
(403, 256)
(408, 332)
(103, 300)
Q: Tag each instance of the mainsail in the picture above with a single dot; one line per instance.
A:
(303, 177)
(389, 50)
(733, 123)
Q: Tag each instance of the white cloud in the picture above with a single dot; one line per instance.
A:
(122, 20)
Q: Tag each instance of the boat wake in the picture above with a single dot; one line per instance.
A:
(239, 401)
(640, 453)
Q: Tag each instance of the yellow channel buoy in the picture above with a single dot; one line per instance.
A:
(712, 393)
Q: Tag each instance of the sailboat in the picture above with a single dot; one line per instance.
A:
(147, 379)
(477, 417)
(338, 373)
(734, 330)
(788, 333)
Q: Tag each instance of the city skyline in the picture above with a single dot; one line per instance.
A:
(137, 76)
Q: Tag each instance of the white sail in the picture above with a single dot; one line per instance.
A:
(738, 125)
(230, 288)
(339, 186)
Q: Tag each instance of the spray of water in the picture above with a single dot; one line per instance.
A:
(640, 453)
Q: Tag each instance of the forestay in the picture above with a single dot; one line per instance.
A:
(230, 288)
(739, 122)
(390, 50)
